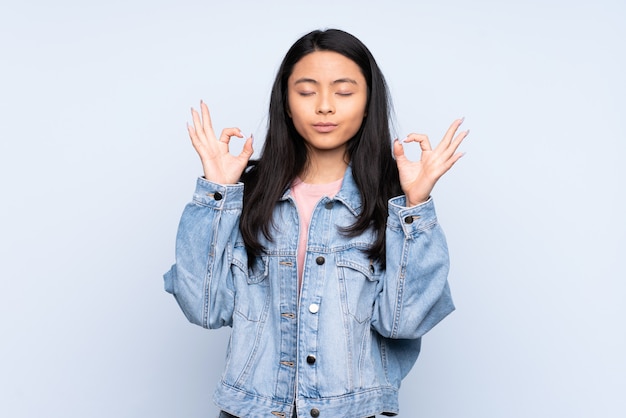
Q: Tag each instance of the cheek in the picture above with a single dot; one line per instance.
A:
(358, 116)
(357, 109)
(297, 113)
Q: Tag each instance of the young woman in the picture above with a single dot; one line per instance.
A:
(324, 256)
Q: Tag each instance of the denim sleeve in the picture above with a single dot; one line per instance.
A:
(201, 279)
(414, 293)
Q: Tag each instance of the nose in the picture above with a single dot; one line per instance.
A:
(325, 106)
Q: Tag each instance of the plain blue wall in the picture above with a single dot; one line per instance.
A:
(96, 166)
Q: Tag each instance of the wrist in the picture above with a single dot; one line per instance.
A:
(414, 199)
(411, 202)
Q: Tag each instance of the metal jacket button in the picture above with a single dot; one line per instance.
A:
(217, 196)
(328, 205)
(310, 359)
(320, 260)
(314, 308)
(315, 412)
(408, 220)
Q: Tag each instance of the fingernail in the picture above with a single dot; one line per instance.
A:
(252, 138)
(467, 132)
(462, 120)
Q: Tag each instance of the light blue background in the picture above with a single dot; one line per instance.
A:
(96, 166)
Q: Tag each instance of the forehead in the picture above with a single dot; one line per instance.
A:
(326, 66)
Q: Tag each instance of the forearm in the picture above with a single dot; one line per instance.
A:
(415, 294)
(201, 279)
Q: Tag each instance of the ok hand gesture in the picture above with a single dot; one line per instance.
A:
(417, 178)
(218, 164)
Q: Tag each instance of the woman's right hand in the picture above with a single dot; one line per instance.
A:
(218, 164)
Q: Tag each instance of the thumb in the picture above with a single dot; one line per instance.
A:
(247, 150)
(398, 151)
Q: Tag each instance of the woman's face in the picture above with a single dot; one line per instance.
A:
(326, 97)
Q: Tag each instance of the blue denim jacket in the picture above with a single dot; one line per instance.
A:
(340, 346)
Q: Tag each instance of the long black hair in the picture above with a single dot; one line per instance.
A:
(284, 154)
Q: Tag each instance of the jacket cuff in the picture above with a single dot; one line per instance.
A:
(411, 220)
(218, 196)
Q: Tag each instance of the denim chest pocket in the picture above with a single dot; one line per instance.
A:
(358, 279)
(252, 290)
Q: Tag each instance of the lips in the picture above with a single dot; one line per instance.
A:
(324, 127)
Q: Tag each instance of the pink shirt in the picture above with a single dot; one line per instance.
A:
(306, 196)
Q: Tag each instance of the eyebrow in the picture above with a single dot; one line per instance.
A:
(338, 81)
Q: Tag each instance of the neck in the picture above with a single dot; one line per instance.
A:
(325, 167)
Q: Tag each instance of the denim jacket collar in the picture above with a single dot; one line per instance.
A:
(349, 193)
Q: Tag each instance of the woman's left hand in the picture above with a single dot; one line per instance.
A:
(417, 178)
